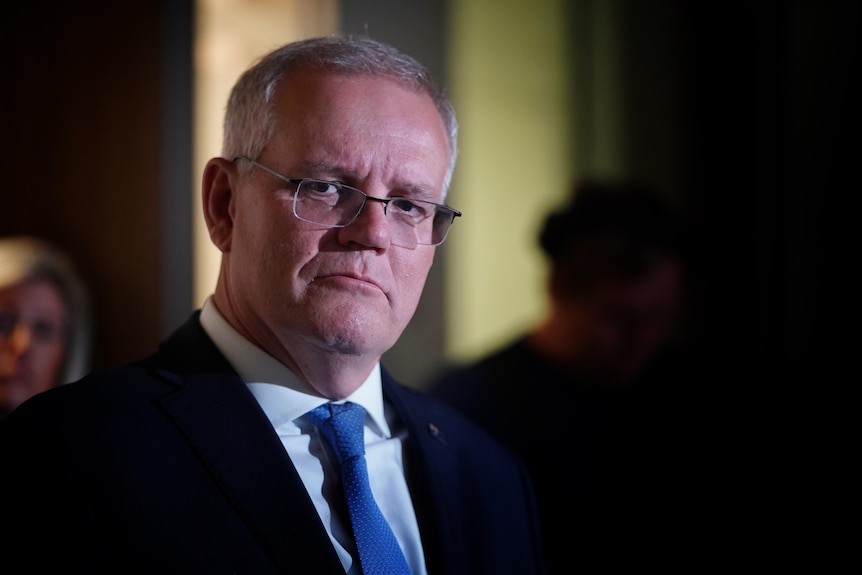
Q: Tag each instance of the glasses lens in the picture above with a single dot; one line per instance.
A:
(333, 204)
(327, 203)
(442, 222)
(419, 222)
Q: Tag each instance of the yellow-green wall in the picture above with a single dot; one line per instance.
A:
(538, 108)
(508, 77)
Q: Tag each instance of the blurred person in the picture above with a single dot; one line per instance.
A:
(593, 388)
(45, 327)
(208, 457)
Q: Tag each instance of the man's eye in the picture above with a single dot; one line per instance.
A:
(320, 187)
(410, 208)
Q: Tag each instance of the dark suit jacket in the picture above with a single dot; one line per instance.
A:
(169, 466)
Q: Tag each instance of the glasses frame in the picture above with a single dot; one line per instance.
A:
(385, 201)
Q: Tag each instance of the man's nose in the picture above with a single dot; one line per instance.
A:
(371, 227)
(383, 202)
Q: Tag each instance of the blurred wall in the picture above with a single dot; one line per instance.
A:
(509, 82)
(548, 92)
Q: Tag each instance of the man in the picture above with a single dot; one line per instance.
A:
(589, 396)
(204, 457)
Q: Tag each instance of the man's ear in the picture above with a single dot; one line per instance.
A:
(218, 191)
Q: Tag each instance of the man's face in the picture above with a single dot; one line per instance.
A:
(344, 290)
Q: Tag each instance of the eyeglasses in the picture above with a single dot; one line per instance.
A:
(336, 205)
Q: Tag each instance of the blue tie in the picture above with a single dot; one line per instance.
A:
(343, 426)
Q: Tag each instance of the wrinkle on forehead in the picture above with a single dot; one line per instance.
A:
(389, 134)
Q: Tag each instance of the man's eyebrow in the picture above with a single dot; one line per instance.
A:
(317, 166)
(331, 172)
(418, 191)
(345, 176)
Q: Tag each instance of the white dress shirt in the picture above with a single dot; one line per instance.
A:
(285, 398)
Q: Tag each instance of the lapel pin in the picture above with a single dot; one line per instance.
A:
(435, 433)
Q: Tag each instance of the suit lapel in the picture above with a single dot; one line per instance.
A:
(430, 465)
(233, 439)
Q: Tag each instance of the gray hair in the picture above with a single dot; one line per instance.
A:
(249, 122)
(24, 259)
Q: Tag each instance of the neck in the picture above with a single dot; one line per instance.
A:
(332, 375)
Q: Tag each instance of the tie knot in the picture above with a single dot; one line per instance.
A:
(343, 426)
